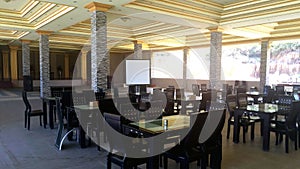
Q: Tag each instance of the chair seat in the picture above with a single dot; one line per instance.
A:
(279, 119)
(244, 121)
(255, 118)
(132, 161)
(36, 113)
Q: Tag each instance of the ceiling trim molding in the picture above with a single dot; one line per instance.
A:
(43, 32)
(96, 6)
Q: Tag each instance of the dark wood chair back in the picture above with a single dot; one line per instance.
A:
(242, 100)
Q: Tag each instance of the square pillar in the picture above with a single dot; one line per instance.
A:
(99, 51)
(265, 57)
(185, 55)
(26, 57)
(44, 64)
(138, 49)
(215, 58)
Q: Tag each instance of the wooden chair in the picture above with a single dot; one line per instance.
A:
(245, 120)
(29, 112)
(288, 127)
(203, 87)
(169, 109)
(119, 157)
(210, 140)
(155, 111)
(71, 125)
(187, 151)
(206, 96)
(130, 112)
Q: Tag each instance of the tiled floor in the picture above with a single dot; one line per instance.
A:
(35, 149)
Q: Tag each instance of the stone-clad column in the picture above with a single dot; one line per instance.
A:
(99, 51)
(215, 58)
(14, 62)
(44, 63)
(265, 57)
(26, 57)
(185, 55)
(138, 49)
(88, 68)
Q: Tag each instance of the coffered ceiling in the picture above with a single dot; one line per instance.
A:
(159, 24)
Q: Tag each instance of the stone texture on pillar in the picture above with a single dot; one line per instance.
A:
(215, 59)
(88, 68)
(44, 65)
(147, 54)
(5, 60)
(26, 58)
(14, 62)
(99, 52)
(263, 64)
(138, 50)
(185, 54)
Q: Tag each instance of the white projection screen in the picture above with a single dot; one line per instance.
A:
(137, 72)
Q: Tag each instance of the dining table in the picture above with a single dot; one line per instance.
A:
(265, 111)
(49, 102)
(255, 95)
(86, 114)
(159, 136)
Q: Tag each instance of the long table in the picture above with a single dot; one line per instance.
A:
(178, 126)
(265, 111)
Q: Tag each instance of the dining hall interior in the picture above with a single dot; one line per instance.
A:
(149, 84)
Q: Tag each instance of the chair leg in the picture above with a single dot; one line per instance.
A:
(296, 141)
(280, 138)
(25, 119)
(261, 127)
(184, 164)
(28, 122)
(215, 160)
(228, 130)
(276, 138)
(165, 162)
(287, 143)
(160, 161)
(108, 163)
(40, 120)
(252, 131)
(244, 134)
(204, 162)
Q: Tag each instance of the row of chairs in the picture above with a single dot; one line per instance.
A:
(285, 122)
(188, 150)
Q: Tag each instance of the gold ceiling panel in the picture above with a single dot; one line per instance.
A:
(261, 10)
(241, 20)
(33, 15)
(11, 34)
(178, 9)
